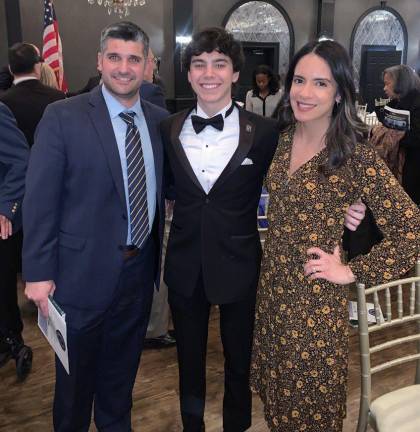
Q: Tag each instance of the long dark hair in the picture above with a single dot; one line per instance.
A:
(345, 129)
(273, 80)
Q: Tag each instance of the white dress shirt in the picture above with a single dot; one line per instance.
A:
(210, 151)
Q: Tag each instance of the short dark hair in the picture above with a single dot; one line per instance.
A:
(404, 79)
(214, 39)
(273, 83)
(126, 31)
(22, 58)
(345, 129)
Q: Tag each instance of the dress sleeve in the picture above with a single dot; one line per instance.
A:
(248, 101)
(396, 216)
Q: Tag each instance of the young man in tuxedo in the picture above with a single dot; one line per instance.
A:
(218, 155)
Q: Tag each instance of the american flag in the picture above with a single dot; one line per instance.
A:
(52, 49)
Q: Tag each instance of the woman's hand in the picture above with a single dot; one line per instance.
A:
(354, 215)
(328, 266)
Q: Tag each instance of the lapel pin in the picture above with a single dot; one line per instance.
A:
(248, 128)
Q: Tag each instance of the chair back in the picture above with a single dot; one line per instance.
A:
(361, 111)
(399, 302)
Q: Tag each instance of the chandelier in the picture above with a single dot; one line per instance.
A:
(120, 7)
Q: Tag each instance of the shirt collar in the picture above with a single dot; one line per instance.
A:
(24, 78)
(201, 113)
(115, 107)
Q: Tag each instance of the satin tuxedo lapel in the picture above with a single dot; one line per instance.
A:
(176, 128)
(246, 140)
(99, 115)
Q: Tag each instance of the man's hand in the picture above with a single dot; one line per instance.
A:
(5, 227)
(328, 266)
(354, 215)
(38, 292)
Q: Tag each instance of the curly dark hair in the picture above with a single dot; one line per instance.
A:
(345, 129)
(273, 83)
(214, 39)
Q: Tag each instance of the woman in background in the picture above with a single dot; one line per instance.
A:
(402, 85)
(322, 165)
(48, 77)
(265, 94)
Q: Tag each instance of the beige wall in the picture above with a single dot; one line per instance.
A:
(80, 26)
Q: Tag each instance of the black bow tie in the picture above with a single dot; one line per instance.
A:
(199, 123)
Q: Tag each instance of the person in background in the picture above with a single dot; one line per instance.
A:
(6, 79)
(265, 94)
(158, 334)
(28, 97)
(14, 153)
(322, 165)
(48, 77)
(402, 85)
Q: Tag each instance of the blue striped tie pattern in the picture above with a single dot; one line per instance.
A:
(136, 177)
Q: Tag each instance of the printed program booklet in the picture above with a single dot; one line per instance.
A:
(370, 314)
(396, 118)
(54, 328)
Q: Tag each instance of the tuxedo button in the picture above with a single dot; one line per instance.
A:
(207, 201)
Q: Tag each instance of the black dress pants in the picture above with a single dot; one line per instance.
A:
(191, 317)
(10, 258)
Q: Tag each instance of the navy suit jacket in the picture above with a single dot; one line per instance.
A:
(74, 211)
(153, 94)
(14, 154)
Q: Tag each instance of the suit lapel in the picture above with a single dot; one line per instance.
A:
(99, 115)
(246, 139)
(154, 139)
(176, 128)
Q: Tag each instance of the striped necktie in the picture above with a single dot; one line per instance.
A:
(136, 179)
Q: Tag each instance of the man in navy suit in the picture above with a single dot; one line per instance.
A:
(93, 216)
(14, 153)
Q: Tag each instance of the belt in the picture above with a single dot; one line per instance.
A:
(130, 251)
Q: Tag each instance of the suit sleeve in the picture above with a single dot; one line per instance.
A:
(41, 205)
(14, 154)
(153, 94)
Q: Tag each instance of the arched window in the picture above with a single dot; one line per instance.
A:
(262, 21)
(377, 26)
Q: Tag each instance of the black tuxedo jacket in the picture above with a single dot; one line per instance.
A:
(216, 233)
(27, 101)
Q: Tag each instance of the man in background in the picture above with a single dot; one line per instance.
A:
(14, 153)
(28, 97)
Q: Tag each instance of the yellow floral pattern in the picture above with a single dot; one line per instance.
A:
(299, 361)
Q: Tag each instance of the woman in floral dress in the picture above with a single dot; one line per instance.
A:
(322, 165)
